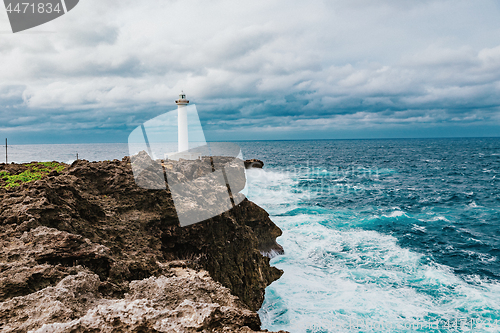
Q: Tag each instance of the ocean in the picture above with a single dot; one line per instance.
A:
(379, 235)
(382, 235)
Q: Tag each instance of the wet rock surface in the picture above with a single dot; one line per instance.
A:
(87, 250)
(254, 163)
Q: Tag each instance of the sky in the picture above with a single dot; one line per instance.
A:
(256, 70)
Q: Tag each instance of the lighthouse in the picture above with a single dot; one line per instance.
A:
(182, 123)
(187, 118)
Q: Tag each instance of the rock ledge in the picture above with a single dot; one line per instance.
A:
(86, 250)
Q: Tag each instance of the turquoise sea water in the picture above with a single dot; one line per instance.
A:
(382, 235)
(379, 235)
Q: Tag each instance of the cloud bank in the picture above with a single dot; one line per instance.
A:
(256, 70)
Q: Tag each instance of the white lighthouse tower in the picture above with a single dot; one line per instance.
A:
(183, 134)
(182, 123)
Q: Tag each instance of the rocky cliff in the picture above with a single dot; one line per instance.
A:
(85, 249)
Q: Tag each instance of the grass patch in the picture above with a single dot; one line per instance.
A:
(34, 172)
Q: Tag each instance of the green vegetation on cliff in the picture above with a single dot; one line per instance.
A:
(32, 172)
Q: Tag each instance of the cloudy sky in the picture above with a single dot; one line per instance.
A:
(260, 69)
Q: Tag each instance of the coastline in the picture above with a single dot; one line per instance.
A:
(86, 249)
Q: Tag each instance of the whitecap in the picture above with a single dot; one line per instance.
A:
(439, 218)
(419, 228)
(396, 213)
(270, 254)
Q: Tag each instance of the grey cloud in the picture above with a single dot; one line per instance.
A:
(282, 64)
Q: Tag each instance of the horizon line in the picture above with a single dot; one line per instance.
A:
(276, 140)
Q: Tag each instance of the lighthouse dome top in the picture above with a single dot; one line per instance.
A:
(182, 99)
